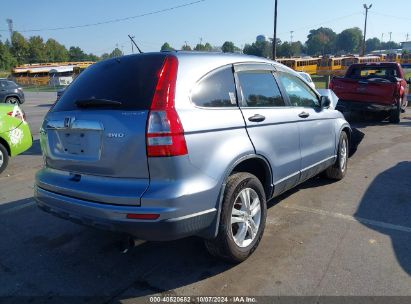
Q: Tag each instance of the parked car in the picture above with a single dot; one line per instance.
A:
(15, 135)
(10, 92)
(167, 145)
(307, 78)
(372, 87)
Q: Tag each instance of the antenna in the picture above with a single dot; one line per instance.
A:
(132, 40)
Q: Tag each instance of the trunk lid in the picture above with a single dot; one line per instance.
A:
(99, 138)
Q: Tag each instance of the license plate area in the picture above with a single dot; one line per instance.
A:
(79, 145)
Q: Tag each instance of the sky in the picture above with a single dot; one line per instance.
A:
(213, 21)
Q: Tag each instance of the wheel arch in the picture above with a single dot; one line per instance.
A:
(6, 145)
(251, 163)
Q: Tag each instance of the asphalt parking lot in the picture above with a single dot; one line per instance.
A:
(323, 238)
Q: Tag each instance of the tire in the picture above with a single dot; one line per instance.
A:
(339, 169)
(229, 244)
(4, 158)
(395, 115)
(12, 100)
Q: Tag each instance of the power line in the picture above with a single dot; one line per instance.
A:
(113, 20)
(324, 22)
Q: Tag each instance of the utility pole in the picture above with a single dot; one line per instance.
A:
(365, 27)
(406, 37)
(389, 41)
(275, 31)
(291, 37)
(381, 42)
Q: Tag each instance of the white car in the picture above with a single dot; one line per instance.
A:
(307, 78)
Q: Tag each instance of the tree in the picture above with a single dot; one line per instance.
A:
(92, 57)
(203, 47)
(76, 54)
(116, 53)
(37, 50)
(321, 41)
(349, 40)
(166, 47)
(372, 44)
(55, 51)
(259, 48)
(390, 45)
(186, 47)
(7, 61)
(20, 48)
(105, 56)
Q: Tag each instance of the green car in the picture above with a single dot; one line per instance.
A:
(15, 135)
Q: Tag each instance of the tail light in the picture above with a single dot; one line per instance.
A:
(165, 133)
(18, 114)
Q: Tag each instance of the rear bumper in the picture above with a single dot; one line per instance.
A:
(348, 105)
(113, 217)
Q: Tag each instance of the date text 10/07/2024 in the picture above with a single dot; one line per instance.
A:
(202, 299)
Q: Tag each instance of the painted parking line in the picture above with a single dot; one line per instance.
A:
(30, 202)
(350, 218)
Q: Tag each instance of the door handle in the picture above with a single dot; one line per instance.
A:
(256, 118)
(304, 114)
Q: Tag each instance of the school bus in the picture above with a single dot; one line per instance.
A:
(39, 74)
(329, 66)
(394, 58)
(406, 60)
(347, 61)
(308, 65)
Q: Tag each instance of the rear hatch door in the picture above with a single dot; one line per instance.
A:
(96, 132)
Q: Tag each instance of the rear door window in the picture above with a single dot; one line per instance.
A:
(217, 89)
(130, 80)
(259, 89)
(299, 93)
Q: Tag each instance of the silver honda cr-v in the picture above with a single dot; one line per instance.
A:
(167, 145)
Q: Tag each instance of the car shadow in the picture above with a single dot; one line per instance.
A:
(44, 256)
(386, 208)
(35, 148)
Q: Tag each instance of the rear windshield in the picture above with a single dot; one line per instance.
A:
(368, 72)
(130, 80)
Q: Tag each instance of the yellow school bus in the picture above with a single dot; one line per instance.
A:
(308, 65)
(329, 66)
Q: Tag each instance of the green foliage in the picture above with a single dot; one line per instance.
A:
(186, 48)
(20, 48)
(228, 47)
(166, 47)
(203, 47)
(259, 48)
(56, 52)
(349, 40)
(372, 44)
(116, 53)
(7, 60)
(321, 41)
(37, 50)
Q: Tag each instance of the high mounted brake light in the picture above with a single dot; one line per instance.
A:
(165, 133)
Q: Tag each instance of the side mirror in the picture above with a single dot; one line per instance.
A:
(325, 102)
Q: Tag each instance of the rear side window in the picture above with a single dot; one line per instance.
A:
(299, 93)
(130, 80)
(215, 90)
(260, 89)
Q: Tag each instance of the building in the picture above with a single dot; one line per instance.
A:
(406, 46)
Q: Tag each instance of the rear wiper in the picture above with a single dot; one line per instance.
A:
(96, 102)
